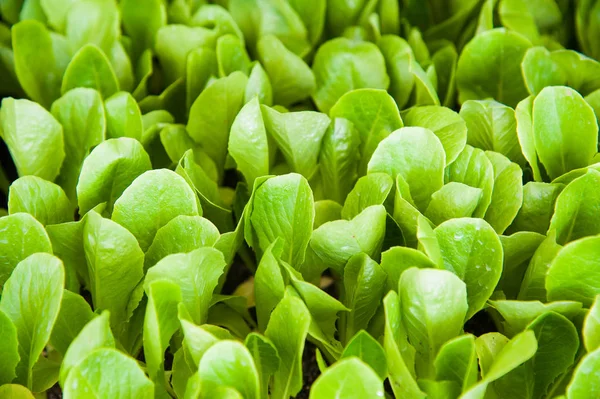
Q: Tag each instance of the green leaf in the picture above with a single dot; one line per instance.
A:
(584, 382)
(142, 23)
(33, 137)
(399, 353)
(524, 115)
(429, 322)
(266, 359)
(492, 126)
(174, 42)
(109, 169)
(350, 378)
(269, 285)
(151, 201)
(40, 198)
(336, 242)
(374, 114)
(342, 65)
(575, 213)
(507, 195)
(115, 267)
(10, 350)
(160, 323)
(557, 149)
(591, 332)
(418, 156)
(364, 282)
(123, 116)
(40, 59)
(22, 229)
(540, 70)
(107, 373)
(471, 249)
(196, 273)
(283, 207)
(201, 66)
(473, 168)
(15, 391)
(453, 200)
(490, 66)
(518, 249)
(259, 85)
(398, 59)
(338, 160)
(291, 78)
(446, 124)
(396, 260)
(326, 211)
(90, 68)
(564, 282)
(81, 113)
(213, 113)
(457, 361)
(74, 314)
(533, 285)
(92, 22)
(229, 364)
(231, 55)
(248, 127)
(298, 135)
(31, 300)
(182, 234)
(537, 208)
(369, 190)
(96, 334)
(287, 330)
(367, 349)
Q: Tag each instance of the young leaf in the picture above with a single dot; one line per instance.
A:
(74, 314)
(141, 24)
(429, 323)
(40, 59)
(115, 267)
(457, 361)
(364, 282)
(283, 207)
(591, 332)
(350, 378)
(269, 285)
(326, 211)
(81, 114)
(533, 286)
(557, 149)
(373, 113)
(200, 68)
(266, 359)
(396, 260)
(259, 85)
(287, 330)
(109, 169)
(40, 198)
(181, 235)
(107, 373)
(291, 78)
(575, 216)
(151, 201)
(398, 58)
(160, 323)
(418, 156)
(367, 349)
(336, 242)
(196, 273)
(399, 353)
(338, 160)
(33, 137)
(471, 249)
(229, 364)
(446, 124)
(479, 76)
(90, 68)
(123, 116)
(563, 282)
(585, 380)
(298, 135)
(31, 300)
(363, 67)
(453, 200)
(248, 127)
(372, 189)
(213, 113)
(10, 349)
(537, 208)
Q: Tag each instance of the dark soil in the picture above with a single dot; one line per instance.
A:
(55, 392)
(480, 324)
(310, 369)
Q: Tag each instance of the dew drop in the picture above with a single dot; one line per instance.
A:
(458, 236)
(488, 269)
